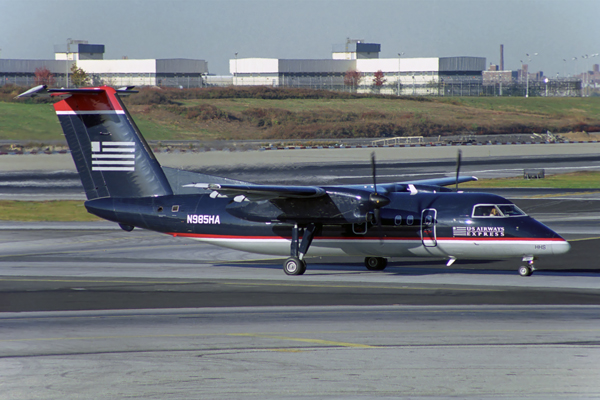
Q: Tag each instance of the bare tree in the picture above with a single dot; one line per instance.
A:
(379, 80)
(353, 78)
(43, 76)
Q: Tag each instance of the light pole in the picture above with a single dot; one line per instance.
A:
(235, 71)
(399, 57)
(67, 61)
(546, 82)
(527, 73)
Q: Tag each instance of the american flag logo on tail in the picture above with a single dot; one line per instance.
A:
(113, 156)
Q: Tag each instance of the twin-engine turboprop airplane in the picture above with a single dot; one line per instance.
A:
(124, 183)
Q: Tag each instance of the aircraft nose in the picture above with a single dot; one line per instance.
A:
(561, 247)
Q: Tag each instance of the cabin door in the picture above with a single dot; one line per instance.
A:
(428, 227)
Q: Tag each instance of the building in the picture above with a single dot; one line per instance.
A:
(355, 49)
(408, 76)
(178, 72)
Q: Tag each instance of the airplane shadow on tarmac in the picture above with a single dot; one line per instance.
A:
(421, 268)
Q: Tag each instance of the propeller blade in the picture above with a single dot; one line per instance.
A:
(458, 160)
(377, 200)
(374, 172)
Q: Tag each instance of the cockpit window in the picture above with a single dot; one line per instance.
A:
(497, 210)
(510, 210)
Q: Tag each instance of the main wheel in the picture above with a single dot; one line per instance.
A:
(375, 263)
(294, 266)
(525, 270)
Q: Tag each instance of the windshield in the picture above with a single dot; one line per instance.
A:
(497, 210)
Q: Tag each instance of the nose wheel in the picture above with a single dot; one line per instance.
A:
(527, 270)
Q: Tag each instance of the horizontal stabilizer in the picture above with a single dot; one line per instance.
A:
(43, 91)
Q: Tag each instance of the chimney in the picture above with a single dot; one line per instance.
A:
(501, 57)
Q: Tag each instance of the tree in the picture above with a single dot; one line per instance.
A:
(353, 78)
(378, 80)
(43, 76)
(79, 77)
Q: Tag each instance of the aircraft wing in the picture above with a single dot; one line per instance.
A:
(261, 192)
(446, 181)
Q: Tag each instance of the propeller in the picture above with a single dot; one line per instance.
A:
(377, 200)
(458, 160)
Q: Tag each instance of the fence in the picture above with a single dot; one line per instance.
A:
(440, 87)
(116, 80)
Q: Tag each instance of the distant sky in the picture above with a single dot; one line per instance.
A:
(214, 30)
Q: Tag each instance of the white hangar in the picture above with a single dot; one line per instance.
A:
(401, 75)
(179, 72)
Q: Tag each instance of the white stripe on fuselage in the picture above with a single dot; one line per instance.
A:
(92, 112)
(465, 249)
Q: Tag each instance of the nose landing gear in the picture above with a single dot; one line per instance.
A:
(527, 270)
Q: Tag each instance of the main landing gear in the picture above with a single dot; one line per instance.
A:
(295, 265)
(375, 263)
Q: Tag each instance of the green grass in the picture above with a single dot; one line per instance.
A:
(36, 122)
(329, 118)
(550, 106)
(575, 180)
(63, 211)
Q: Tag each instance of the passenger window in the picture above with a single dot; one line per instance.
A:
(409, 220)
(398, 220)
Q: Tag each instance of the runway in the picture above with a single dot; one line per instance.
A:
(90, 311)
(447, 352)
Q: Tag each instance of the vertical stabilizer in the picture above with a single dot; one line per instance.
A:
(111, 156)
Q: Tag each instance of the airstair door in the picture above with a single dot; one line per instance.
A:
(428, 227)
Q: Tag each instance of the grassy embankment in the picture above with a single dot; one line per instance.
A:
(75, 211)
(280, 114)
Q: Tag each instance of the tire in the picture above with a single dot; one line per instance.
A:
(294, 266)
(375, 263)
(525, 270)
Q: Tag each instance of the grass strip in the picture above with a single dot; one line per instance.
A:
(55, 210)
(574, 180)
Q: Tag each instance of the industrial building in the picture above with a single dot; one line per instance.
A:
(407, 76)
(178, 72)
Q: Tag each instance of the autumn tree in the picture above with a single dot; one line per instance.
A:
(378, 80)
(43, 76)
(79, 77)
(353, 78)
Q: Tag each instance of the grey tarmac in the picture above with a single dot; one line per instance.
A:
(90, 311)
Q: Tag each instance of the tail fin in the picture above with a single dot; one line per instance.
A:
(111, 155)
